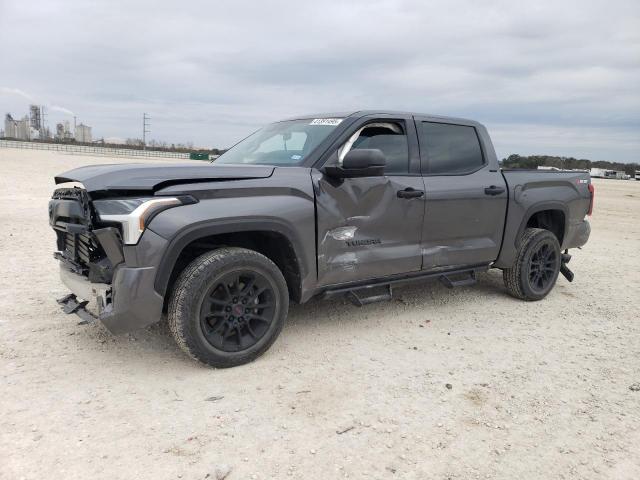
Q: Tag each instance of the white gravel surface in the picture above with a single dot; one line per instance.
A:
(538, 390)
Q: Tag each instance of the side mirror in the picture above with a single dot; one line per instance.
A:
(359, 163)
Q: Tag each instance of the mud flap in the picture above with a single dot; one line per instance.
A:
(70, 304)
(564, 270)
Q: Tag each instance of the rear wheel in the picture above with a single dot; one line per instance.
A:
(537, 265)
(228, 307)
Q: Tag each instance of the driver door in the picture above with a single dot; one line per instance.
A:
(370, 227)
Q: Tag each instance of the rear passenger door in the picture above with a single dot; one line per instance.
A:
(466, 200)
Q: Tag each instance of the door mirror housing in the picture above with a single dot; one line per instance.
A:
(366, 162)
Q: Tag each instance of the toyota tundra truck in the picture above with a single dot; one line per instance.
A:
(348, 203)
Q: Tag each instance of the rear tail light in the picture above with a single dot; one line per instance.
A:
(592, 194)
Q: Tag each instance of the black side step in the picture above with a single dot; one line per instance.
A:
(70, 304)
(354, 289)
(470, 280)
(359, 301)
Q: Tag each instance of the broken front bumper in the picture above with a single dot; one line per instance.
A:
(128, 304)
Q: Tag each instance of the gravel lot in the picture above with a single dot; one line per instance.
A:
(537, 390)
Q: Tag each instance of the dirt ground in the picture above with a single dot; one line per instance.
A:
(538, 390)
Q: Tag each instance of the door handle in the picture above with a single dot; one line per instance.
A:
(493, 190)
(410, 193)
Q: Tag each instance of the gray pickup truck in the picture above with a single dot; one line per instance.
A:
(347, 203)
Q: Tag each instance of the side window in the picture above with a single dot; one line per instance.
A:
(390, 138)
(451, 149)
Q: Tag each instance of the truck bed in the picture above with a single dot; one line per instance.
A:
(531, 191)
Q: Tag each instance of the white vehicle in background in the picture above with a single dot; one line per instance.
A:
(605, 173)
(598, 172)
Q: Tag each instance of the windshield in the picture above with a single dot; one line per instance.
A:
(282, 143)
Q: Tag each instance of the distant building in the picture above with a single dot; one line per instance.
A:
(18, 129)
(35, 112)
(83, 133)
(67, 131)
(63, 133)
(10, 127)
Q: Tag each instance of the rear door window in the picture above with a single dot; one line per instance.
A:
(450, 149)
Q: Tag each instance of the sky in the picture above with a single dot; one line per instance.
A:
(546, 77)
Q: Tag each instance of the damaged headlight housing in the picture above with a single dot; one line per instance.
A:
(134, 214)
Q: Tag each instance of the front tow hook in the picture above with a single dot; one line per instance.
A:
(564, 270)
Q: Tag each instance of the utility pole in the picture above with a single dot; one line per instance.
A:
(146, 123)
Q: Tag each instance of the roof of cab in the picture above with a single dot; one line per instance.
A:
(367, 113)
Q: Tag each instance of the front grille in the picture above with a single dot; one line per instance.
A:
(82, 248)
(78, 247)
(70, 206)
(68, 193)
(82, 253)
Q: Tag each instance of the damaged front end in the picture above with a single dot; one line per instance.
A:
(87, 256)
(92, 253)
(92, 266)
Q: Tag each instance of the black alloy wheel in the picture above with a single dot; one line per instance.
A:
(237, 310)
(542, 267)
(228, 306)
(536, 267)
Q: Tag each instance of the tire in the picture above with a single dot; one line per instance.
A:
(537, 265)
(224, 296)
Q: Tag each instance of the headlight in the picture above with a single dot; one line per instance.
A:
(134, 214)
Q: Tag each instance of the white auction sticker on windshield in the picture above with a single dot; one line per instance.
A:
(326, 121)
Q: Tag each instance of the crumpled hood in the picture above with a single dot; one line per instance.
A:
(150, 177)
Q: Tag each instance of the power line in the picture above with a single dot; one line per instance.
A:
(146, 123)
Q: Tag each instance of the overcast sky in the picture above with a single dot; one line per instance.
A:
(546, 77)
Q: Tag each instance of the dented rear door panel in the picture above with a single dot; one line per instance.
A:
(463, 225)
(465, 214)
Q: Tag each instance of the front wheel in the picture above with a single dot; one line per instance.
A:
(228, 306)
(537, 265)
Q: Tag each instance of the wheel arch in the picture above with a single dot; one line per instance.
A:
(260, 235)
(552, 216)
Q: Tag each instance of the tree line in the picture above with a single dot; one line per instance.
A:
(569, 163)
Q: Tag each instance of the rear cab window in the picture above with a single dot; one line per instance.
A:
(449, 149)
